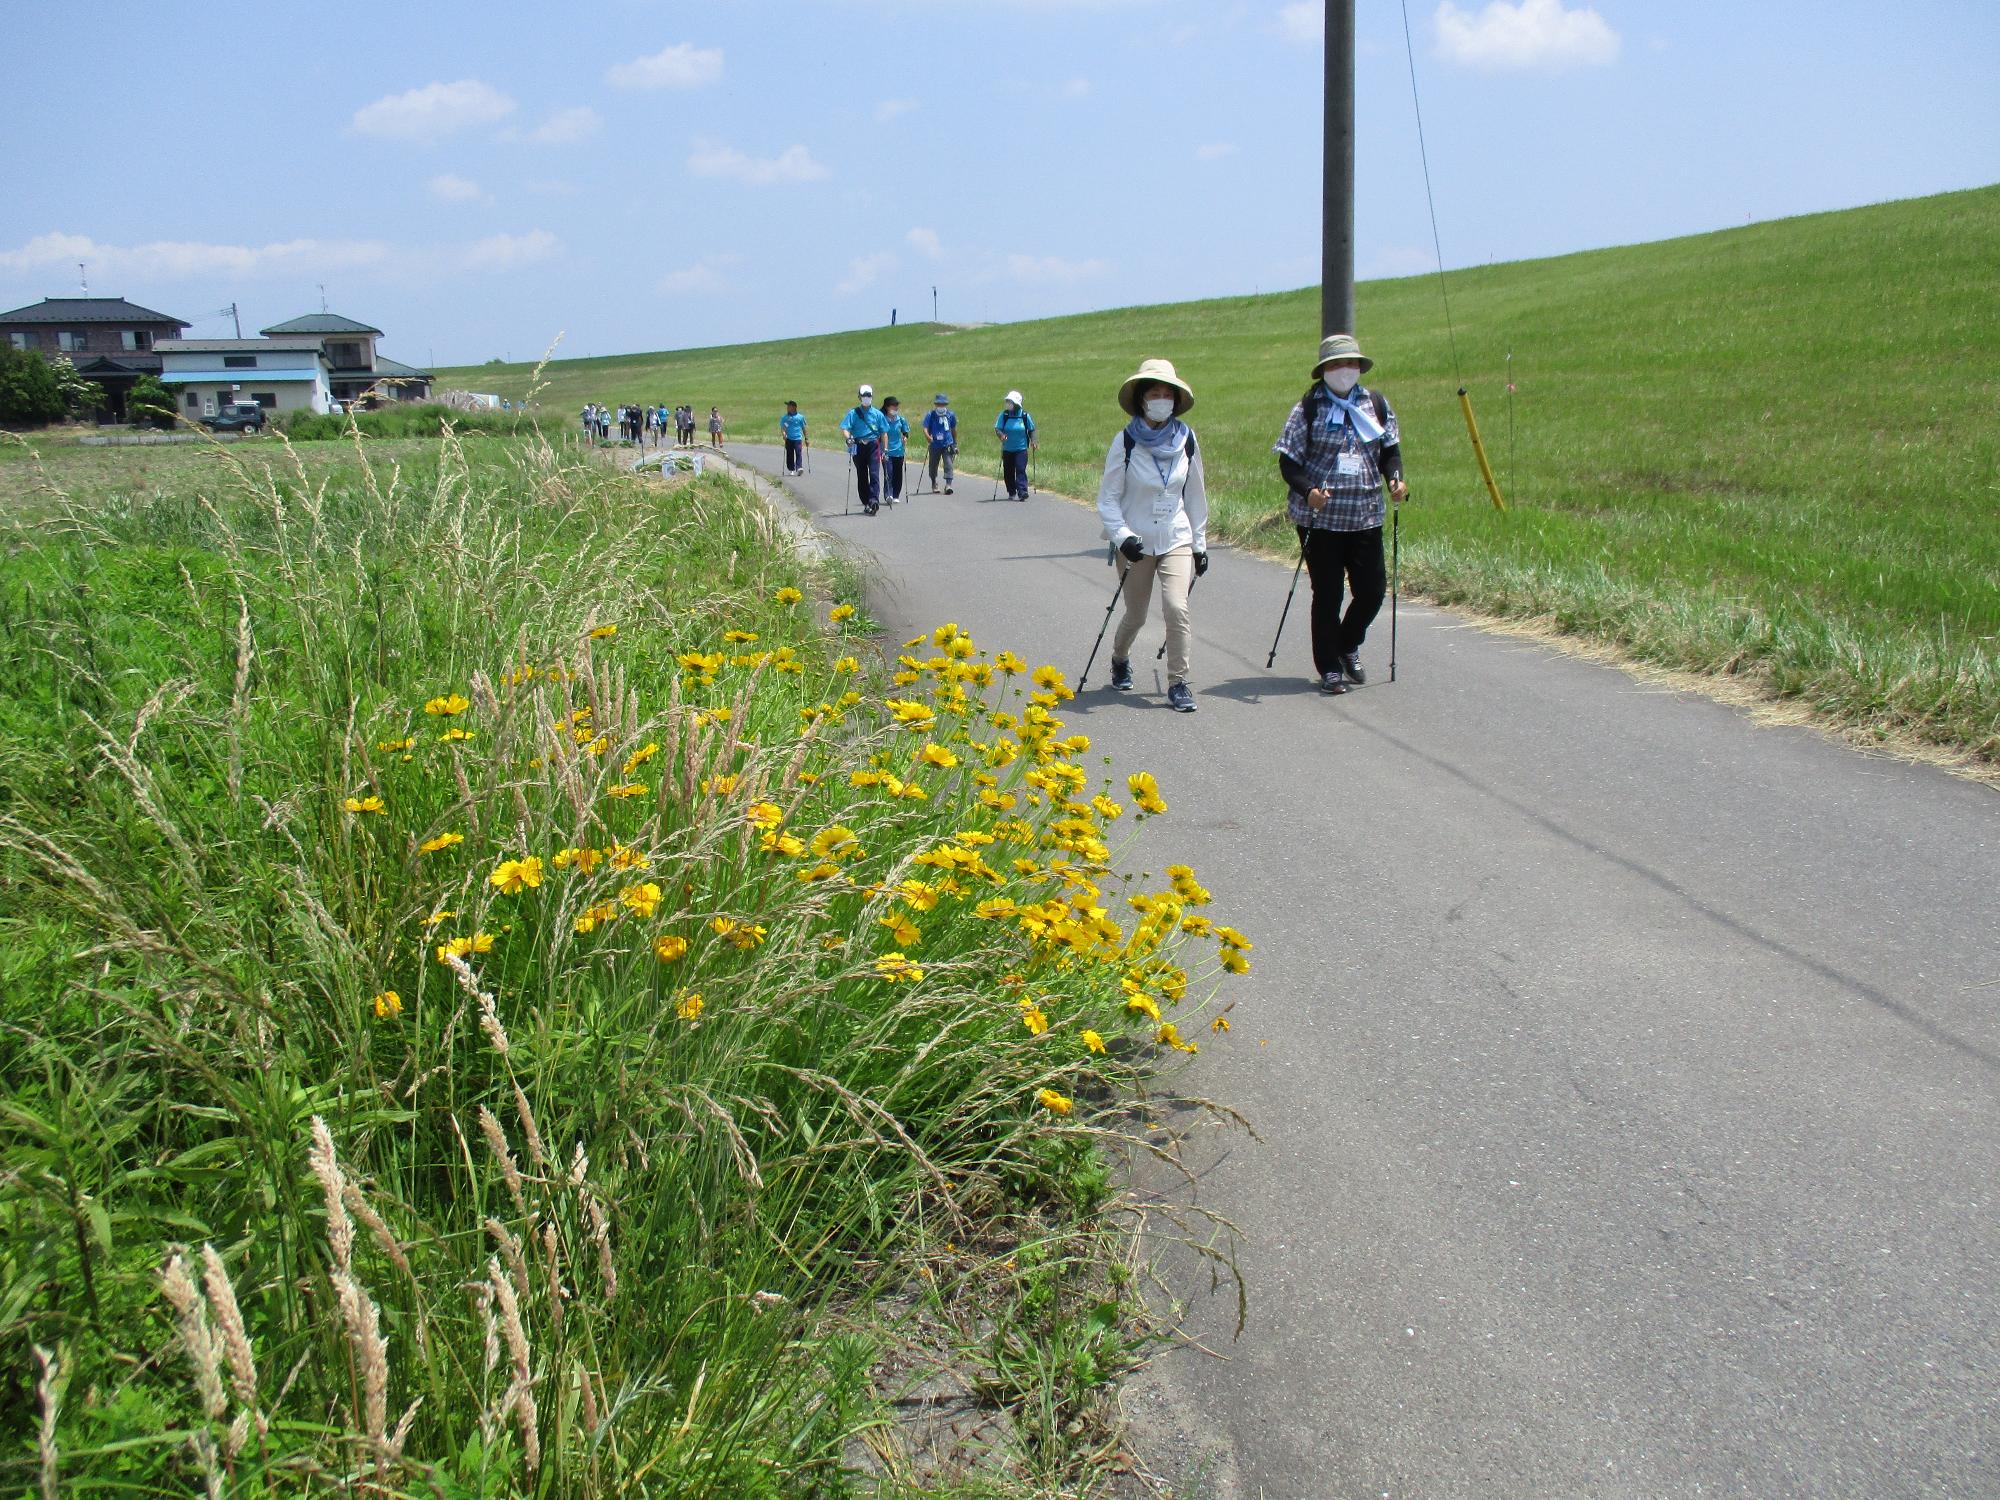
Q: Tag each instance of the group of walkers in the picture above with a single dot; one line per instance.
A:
(878, 444)
(644, 425)
(1338, 451)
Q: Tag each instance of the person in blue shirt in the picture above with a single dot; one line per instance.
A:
(793, 425)
(895, 435)
(941, 427)
(1016, 431)
(865, 430)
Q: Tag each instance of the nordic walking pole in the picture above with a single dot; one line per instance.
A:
(1116, 594)
(1272, 658)
(1395, 578)
(1160, 655)
(848, 485)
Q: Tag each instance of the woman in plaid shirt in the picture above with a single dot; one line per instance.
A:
(1339, 445)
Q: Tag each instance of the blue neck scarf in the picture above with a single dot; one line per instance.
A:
(1161, 443)
(1360, 413)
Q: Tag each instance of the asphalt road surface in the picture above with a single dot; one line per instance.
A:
(1627, 1074)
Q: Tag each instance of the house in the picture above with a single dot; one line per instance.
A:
(279, 374)
(108, 339)
(358, 372)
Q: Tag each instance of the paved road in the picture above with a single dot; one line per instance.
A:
(1630, 1112)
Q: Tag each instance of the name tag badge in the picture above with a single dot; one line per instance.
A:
(1165, 504)
(1349, 463)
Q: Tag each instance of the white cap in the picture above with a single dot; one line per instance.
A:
(866, 390)
(1015, 397)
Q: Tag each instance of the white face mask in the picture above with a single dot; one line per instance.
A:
(1159, 408)
(867, 401)
(1341, 381)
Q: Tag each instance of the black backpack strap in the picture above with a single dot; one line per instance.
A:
(1381, 411)
(1130, 441)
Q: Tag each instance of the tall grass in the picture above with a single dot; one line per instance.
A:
(399, 420)
(494, 985)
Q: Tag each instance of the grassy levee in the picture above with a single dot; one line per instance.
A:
(493, 988)
(1767, 452)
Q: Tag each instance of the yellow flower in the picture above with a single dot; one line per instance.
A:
(1234, 961)
(918, 896)
(744, 935)
(388, 1004)
(1146, 791)
(1220, 1023)
(999, 906)
(455, 703)
(391, 746)
(640, 756)
(720, 786)
(455, 736)
(1106, 808)
(688, 1007)
(1033, 1017)
(1196, 925)
(442, 841)
(590, 917)
(897, 969)
(604, 632)
(842, 612)
(818, 872)
(1231, 938)
(777, 841)
(668, 947)
(1142, 1003)
(739, 637)
(847, 664)
(438, 916)
(1169, 1035)
(585, 860)
(624, 857)
(369, 804)
(642, 898)
(788, 595)
(905, 932)
(836, 842)
(938, 756)
(465, 947)
(628, 789)
(1092, 1040)
(764, 815)
(1055, 1103)
(512, 876)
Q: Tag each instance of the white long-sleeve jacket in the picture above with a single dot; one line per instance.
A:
(1163, 512)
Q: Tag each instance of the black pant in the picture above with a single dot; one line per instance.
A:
(892, 479)
(1014, 473)
(864, 475)
(1334, 559)
(795, 455)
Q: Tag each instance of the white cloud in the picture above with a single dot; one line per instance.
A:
(889, 109)
(1076, 88)
(507, 252)
(864, 271)
(450, 188)
(563, 128)
(1053, 268)
(436, 109)
(705, 275)
(793, 164)
(926, 242)
(681, 66)
(1214, 152)
(1304, 22)
(1527, 34)
(175, 260)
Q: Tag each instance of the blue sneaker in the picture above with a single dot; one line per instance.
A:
(1121, 676)
(1180, 698)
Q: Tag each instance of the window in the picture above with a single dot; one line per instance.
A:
(20, 340)
(70, 343)
(194, 401)
(266, 399)
(133, 339)
(239, 361)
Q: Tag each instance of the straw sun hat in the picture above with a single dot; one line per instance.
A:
(1155, 372)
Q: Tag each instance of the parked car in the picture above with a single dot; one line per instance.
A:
(236, 416)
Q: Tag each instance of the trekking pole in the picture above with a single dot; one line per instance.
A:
(1273, 657)
(1395, 578)
(1116, 594)
(1160, 655)
(847, 487)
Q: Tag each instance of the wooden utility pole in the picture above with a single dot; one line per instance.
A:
(1336, 259)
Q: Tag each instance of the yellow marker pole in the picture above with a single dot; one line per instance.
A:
(1479, 451)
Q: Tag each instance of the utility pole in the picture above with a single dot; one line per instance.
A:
(933, 304)
(237, 318)
(1336, 256)
(322, 296)
(83, 278)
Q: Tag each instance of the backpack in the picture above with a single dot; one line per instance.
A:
(1189, 449)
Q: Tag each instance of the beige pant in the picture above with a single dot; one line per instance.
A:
(1175, 572)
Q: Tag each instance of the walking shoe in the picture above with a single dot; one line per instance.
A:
(1350, 663)
(1121, 676)
(947, 489)
(1180, 698)
(1331, 684)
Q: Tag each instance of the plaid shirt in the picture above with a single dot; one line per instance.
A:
(1354, 501)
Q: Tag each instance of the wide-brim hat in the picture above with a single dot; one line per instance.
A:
(1341, 346)
(1013, 396)
(1155, 372)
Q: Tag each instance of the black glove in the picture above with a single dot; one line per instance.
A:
(1133, 548)
(1200, 564)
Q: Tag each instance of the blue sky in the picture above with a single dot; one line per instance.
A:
(639, 175)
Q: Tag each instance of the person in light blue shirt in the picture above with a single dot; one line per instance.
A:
(1016, 431)
(865, 429)
(793, 425)
(941, 427)
(895, 438)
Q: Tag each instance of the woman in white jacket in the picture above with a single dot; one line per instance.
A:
(1154, 505)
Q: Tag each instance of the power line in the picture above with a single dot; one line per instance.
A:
(1437, 245)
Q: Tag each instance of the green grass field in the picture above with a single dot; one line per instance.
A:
(1769, 452)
